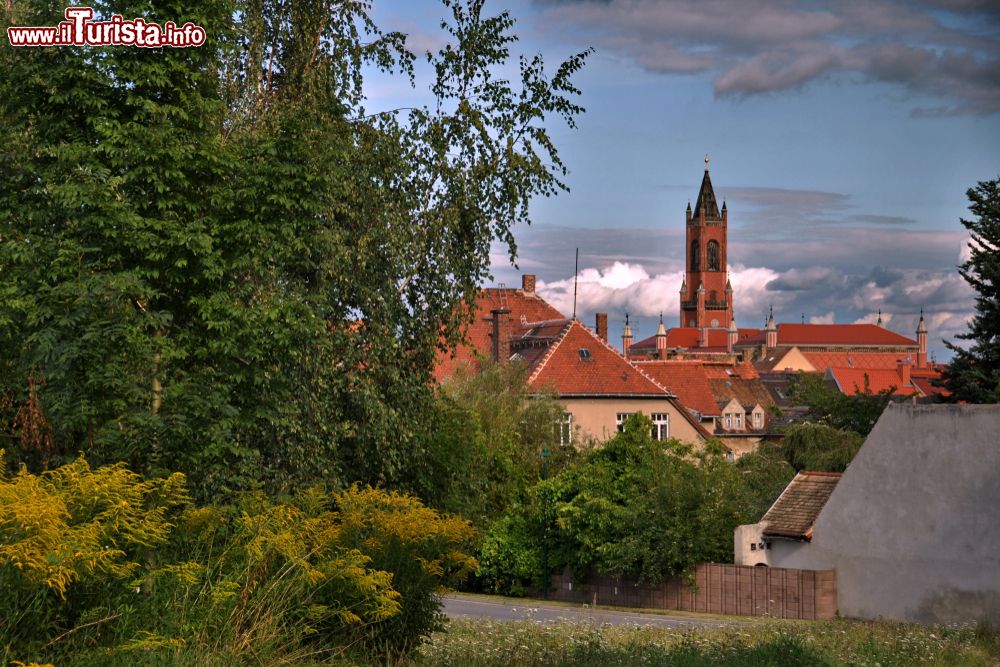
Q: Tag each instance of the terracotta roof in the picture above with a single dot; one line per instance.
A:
(688, 337)
(722, 371)
(748, 392)
(525, 308)
(685, 379)
(840, 334)
(927, 387)
(794, 512)
(580, 363)
(824, 360)
(852, 381)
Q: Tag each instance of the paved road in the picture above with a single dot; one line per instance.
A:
(461, 606)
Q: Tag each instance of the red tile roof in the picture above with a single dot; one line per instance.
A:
(580, 363)
(688, 337)
(743, 370)
(852, 381)
(525, 309)
(686, 380)
(840, 334)
(824, 360)
(795, 511)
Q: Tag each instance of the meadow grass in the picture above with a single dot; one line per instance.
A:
(485, 643)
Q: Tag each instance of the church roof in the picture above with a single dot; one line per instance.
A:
(840, 334)
(706, 199)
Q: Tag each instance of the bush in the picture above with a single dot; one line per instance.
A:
(104, 567)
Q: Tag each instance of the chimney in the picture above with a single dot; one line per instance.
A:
(501, 335)
(602, 326)
(528, 283)
(703, 337)
(903, 368)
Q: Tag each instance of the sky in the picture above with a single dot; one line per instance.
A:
(843, 135)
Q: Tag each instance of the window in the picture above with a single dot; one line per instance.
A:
(739, 420)
(729, 421)
(564, 429)
(695, 258)
(661, 425)
(584, 354)
(620, 420)
(758, 419)
(713, 256)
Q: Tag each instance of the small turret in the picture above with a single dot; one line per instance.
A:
(878, 322)
(626, 337)
(771, 330)
(921, 341)
(661, 340)
(734, 336)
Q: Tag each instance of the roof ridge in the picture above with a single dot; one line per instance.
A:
(549, 352)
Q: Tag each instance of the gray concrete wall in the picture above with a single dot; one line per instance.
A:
(913, 527)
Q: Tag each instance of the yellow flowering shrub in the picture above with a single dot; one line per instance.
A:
(74, 522)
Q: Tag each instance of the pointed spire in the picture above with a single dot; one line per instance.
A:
(878, 322)
(706, 197)
(628, 328)
(701, 287)
(689, 205)
(921, 325)
(770, 319)
(661, 330)
(729, 284)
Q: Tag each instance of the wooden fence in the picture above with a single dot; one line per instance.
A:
(719, 589)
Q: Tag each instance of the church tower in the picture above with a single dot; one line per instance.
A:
(706, 296)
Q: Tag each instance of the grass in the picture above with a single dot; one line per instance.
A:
(484, 643)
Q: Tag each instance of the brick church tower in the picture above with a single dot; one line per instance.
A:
(706, 294)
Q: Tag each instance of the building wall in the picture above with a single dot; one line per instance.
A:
(792, 360)
(913, 527)
(595, 417)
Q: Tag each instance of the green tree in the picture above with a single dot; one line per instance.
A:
(217, 260)
(826, 405)
(636, 507)
(819, 447)
(482, 447)
(974, 373)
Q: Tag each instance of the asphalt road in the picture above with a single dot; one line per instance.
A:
(461, 606)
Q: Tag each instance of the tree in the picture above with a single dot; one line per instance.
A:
(819, 447)
(217, 260)
(635, 507)
(828, 406)
(974, 373)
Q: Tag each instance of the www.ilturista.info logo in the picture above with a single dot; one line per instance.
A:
(79, 30)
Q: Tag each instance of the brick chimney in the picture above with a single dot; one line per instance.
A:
(501, 335)
(903, 367)
(601, 326)
(528, 283)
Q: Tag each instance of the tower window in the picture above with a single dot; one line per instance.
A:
(695, 256)
(713, 255)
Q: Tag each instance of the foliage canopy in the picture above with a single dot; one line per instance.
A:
(218, 260)
(974, 373)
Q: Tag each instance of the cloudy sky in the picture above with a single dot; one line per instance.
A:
(842, 133)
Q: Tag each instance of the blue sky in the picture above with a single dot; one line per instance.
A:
(843, 134)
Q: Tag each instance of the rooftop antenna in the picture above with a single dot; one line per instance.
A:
(576, 278)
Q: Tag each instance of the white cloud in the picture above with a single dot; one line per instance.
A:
(826, 318)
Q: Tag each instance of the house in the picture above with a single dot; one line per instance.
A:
(788, 523)
(911, 526)
(598, 387)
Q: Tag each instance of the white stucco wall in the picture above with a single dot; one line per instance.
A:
(913, 527)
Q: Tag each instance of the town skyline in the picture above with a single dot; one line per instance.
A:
(843, 137)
